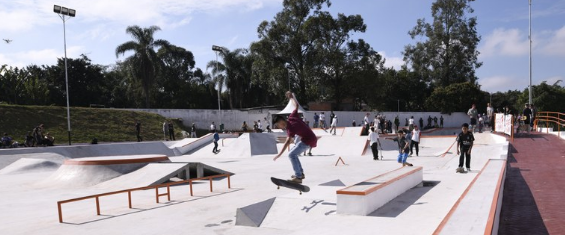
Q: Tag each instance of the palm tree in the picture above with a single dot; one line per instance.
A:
(144, 62)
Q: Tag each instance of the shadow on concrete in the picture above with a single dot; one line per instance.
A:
(399, 204)
(519, 213)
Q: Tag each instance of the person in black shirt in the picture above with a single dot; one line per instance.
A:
(403, 148)
(138, 131)
(527, 114)
(465, 141)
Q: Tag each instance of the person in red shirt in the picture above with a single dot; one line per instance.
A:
(295, 126)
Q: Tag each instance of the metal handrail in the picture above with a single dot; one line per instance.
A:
(553, 117)
(128, 191)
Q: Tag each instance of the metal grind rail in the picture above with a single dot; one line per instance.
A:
(128, 191)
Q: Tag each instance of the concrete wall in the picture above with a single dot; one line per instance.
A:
(233, 119)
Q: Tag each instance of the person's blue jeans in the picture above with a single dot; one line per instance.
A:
(402, 157)
(293, 156)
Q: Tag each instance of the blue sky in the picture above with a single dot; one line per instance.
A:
(99, 27)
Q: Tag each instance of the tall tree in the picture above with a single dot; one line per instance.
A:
(145, 61)
(289, 40)
(447, 52)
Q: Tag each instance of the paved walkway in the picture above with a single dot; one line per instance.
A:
(533, 192)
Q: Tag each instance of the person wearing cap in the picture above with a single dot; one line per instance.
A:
(295, 126)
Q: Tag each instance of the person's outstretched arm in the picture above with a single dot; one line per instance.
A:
(290, 96)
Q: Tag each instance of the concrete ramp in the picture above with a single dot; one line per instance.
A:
(151, 174)
(352, 131)
(25, 165)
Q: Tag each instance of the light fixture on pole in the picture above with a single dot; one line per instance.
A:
(64, 13)
(288, 68)
(217, 49)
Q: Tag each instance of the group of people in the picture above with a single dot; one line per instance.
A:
(320, 122)
(34, 138)
(257, 126)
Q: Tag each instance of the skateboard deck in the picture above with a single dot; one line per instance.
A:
(287, 184)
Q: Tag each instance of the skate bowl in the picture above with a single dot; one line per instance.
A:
(85, 172)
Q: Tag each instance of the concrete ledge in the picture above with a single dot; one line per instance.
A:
(369, 195)
(482, 199)
(112, 160)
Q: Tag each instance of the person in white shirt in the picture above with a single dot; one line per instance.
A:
(260, 125)
(323, 121)
(490, 116)
(415, 140)
(411, 123)
(333, 125)
(213, 127)
(374, 142)
(376, 122)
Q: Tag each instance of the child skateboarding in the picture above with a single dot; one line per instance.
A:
(465, 144)
(403, 148)
(295, 126)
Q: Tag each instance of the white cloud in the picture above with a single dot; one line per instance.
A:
(502, 83)
(505, 42)
(555, 45)
(514, 42)
(392, 61)
(38, 57)
(24, 15)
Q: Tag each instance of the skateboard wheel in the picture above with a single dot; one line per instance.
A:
(278, 187)
(300, 192)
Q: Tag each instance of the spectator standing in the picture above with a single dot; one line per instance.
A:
(193, 131)
(138, 131)
(244, 127)
(415, 141)
(490, 117)
(323, 121)
(212, 127)
(473, 115)
(374, 142)
(441, 121)
(527, 117)
(411, 123)
(421, 122)
(165, 130)
(316, 120)
(171, 130)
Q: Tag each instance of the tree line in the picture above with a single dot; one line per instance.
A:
(304, 49)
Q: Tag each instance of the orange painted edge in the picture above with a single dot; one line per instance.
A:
(450, 213)
(494, 205)
(379, 186)
(116, 161)
(365, 148)
(446, 151)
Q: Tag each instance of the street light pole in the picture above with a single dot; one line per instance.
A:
(530, 38)
(62, 12)
(216, 49)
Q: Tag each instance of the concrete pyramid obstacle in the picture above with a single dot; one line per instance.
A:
(253, 214)
(333, 183)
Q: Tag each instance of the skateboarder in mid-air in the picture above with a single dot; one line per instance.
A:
(295, 126)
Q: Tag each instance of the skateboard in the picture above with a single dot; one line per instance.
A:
(287, 184)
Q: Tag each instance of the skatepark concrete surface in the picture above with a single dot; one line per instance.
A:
(31, 186)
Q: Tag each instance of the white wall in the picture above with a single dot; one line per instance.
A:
(233, 119)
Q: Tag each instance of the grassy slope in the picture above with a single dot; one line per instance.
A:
(107, 125)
